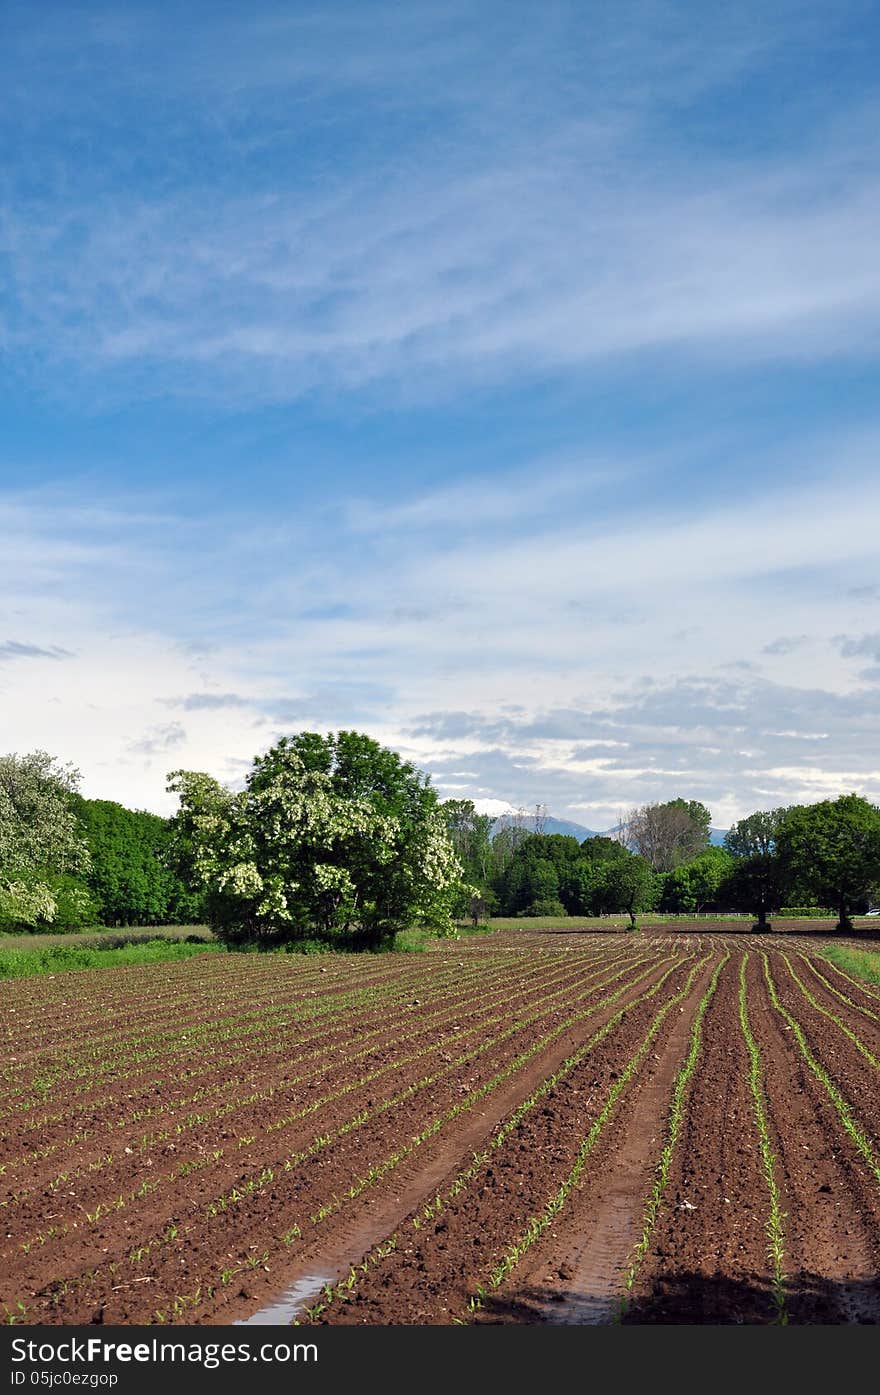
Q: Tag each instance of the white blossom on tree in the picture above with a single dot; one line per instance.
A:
(332, 835)
(40, 842)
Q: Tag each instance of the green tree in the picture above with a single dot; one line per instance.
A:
(601, 848)
(832, 850)
(538, 874)
(41, 850)
(582, 886)
(508, 834)
(755, 882)
(628, 884)
(130, 877)
(471, 835)
(542, 881)
(696, 885)
(332, 835)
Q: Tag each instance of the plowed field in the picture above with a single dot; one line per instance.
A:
(532, 1127)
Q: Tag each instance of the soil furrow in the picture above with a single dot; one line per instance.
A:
(832, 1204)
(190, 1193)
(431, 1277)
(707, 1262)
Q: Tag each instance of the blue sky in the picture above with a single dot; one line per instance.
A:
(500, 380)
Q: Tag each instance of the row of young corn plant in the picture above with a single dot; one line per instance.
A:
(381, 1169)
(87, 1026)
(775, 1225)
(284, 992)
(235, 979)
(226, 1110)
(539, 1224)
(93, 1048)
(841, 1106)
(540, 1008)
(673, 1131)
(190, 1040)
(151, 1186)
(171, 1233)
(256, 1183)
(320, 1052)
(60, 1018)
(508, 1128)
(322, 1030)
(433, 1208)
(175, 1035)
(60, 1008)
(831, 1016)
(128, 1065)
(150, 1141)
(204, 1047)
(298, 1010)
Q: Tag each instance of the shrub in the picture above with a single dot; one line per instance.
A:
(547, 906)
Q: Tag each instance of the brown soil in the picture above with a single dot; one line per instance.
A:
(267, 1121)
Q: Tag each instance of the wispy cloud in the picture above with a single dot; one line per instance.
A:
(480, 247)
(863, 646)
(724, 741)
(13, 649)
(158, 740)
(541, 490)
(786, 644)
(462, 276)
(209, 702)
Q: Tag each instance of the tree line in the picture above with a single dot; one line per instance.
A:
(336, 838)
(67, 862)
(824, 855)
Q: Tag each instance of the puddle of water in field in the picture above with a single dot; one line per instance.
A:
(286, 1308)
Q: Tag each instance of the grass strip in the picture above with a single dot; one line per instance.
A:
(56, 959)
(864, 964)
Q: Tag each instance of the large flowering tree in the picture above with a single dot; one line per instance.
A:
(333, 836)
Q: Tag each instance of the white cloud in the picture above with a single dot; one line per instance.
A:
(534, 698)
(494, 807)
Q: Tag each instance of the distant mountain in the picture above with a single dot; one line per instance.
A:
(579, 831)
(551, 825)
